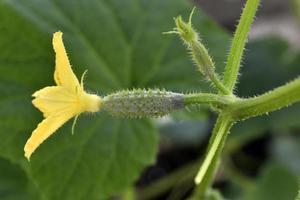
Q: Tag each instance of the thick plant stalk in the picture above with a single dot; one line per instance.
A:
(278, 98)
(238, 44)
(207, 170)
(218, 101)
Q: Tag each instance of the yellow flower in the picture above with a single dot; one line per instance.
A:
(62, 102)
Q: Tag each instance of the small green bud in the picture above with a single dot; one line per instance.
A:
(185, 30)
(198, 51)
(142, 103)
(203, 60)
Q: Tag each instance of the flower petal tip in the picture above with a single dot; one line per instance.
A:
(27, 156)
(58, 34)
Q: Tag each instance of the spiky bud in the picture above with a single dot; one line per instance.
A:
(142, 103)
(198, 51)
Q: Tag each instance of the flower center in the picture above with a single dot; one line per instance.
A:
(90, 102)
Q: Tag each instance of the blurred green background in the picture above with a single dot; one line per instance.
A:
(121, 45)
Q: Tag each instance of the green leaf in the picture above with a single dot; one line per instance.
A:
(275, 183)
(238, 44)
(121, 45)
(270, 63)
(14, 184)
(105, 153)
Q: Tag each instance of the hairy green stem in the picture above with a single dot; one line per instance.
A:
(219, 101)
(230, 108)
(206, 65)
(240, 109)
(278, 98)
(219, 85)
(238, 44)
(236, 109)
(209, 166)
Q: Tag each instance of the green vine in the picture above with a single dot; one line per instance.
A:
(229, 107)
(138, 103)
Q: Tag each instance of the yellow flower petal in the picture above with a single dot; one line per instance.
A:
(44, 129)
(51, 100)
(63, 74)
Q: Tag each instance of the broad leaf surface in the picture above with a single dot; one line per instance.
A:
(121, 45)
(13, 182)
(275, 183)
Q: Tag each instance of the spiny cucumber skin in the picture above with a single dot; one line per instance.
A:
(142, 103)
